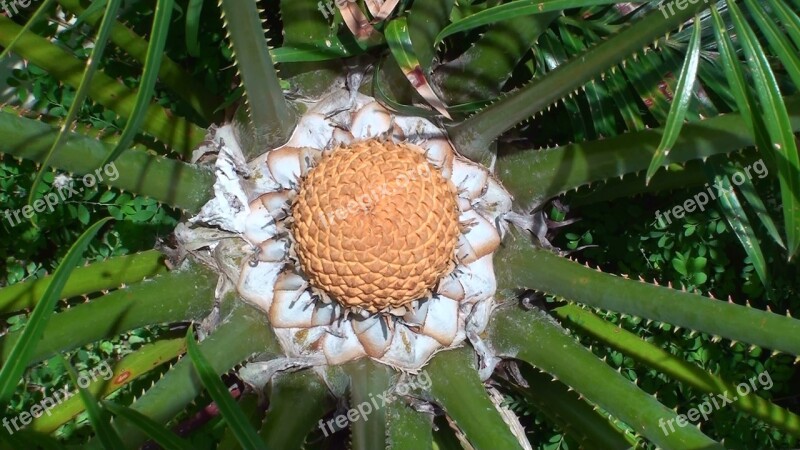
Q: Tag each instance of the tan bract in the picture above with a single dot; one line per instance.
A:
(376, 225)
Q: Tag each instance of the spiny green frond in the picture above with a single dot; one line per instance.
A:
(535, 176)
(297, 402)
(237, 422)
(123, 372)
(179, 134)
(481, 71)
(562, 277)
(457, 387)
(271, 121)
(409, 429)
(662, 360)
(531, 336)
(166, 180)
(177, 296)
(20, 351)
(474, 136)
(369, 382)
(109, 274)
(241, 334)
(562, 406)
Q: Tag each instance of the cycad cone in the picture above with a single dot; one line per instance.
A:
(376, 225)
(364, 235)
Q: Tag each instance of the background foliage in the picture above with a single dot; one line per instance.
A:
(699, 252)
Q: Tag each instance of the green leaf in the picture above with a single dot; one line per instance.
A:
(399, 40)
(596, 94)
(307, 53)
(754, 122)
(699, 263)
(384, 97)
(652, 79)
(776, 118)
(152, 64)
(625, 100)
(737, 218)
(699, 278)
(129, 369)
(552, 54)
(105, 90)
(748, 190)
(680, 266)
(514, 9)
(425, 20)
(234, 417)
(83, 214)
(791, 22)
(107, 196)
(172, 75)
(154, 430)
(409, 429)
(677, 112)
(306, 22)
(97, 417)
(481, 71)
(167, 180)
(174, 297)
(563, 407)
(193, 13)
(250, 405)
(777, 41)
(20, 355)
(243, 333)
